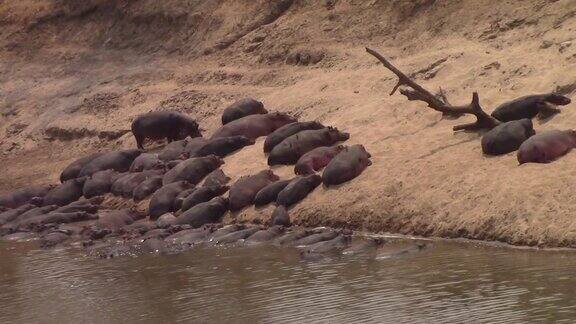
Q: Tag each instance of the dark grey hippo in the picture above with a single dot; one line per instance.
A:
(547, 146)
(315, 238)
(280, 217)
(181, 196)
(113, 221)
(223, 146)
(193, 170)
(286, 131)
(202, 194)
(243, 191)
(162, 200)
(316, 159)
(265, 235)
(242, 108)
(530, 106)
(39, 222)
(170, 125)
(237, 236)
(347, 165)
(118, 160)
(100, 183)
(507, 137)
(72, 171)
(190, 236)
(204, 213)
(23, 196)
(216, 178)
(146, 161)
(293, 236)
(65, 193)
(298, 189)
(146, 188)
(173, 151)
(254, 126)
(11, 214)
(125, 185)
(270, 193)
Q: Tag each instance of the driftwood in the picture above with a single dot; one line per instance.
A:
(439, 102)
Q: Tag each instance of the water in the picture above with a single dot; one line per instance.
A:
(445, 283)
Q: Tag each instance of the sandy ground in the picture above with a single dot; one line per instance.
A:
(75, 74)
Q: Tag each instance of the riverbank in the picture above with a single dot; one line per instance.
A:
(77, 75)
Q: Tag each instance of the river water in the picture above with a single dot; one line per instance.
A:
(447, 282)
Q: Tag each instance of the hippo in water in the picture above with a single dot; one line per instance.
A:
(269, 193)
(242, 108)
(162, 201)
(254, 126)
(316, 159)
(295, 146)
(286, 131)
(22, 196)
(65, 193)
(171, 125)
(507, 137)
(530, 106)
(193, 170)
(117, 160)
(298, 189)
(100, 183)
(223, 146)
(243, 191)
(73, 169)
(547, 146)
(347, 165)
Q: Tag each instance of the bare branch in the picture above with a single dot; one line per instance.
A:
(439, 102)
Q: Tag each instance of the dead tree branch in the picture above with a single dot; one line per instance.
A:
(439, 102)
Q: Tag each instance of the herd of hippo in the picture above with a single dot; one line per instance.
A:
(516, 132)
(185, 186)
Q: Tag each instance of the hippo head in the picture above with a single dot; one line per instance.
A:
(37, 201)
(528, 127)
(269, 174)
(314, 179)
(247, 141)
(558, 99)
(191, 129)
(334, 134)
(215, 160)
(80, 181)
(225, 202)
(281, 119)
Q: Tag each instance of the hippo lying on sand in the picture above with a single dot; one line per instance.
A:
(243, 191)
(65, 193)
(117, 160)
(22, 196)
(242, 108)
(298, 189)
(507, 137)
(216, 178)
(193, 170)
(547, 146)
(171, 125)
(125, 185)
(100, 183)
(530, 106)
(146, 188)
(204, 213)
(146, 161)
(269, 193)
(202, 194)
(280, 217)
(254, 126)
(223, 146)
(316, 159)
(286, 131)
(72, 171)
(162, 201)
(347, 165)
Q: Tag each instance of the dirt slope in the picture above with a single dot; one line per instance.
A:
(75, 73)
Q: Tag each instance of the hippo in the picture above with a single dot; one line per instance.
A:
(368, 244)
(38, 222)
(216, 178)
(193, 170)
(146, 161)
(280, 217)
(179, 200)
(23, 196)
(530, 106)
(117, 160)
(400, 251)
(125, 185)
(547, 146)
(202, 194)
(190, 236)
(87, 205)
(315, 238)
(166, 220)
(53, 238)
(72, 171)
(237, 236)
(100, 183)
(162, 200)
(298, 189)
(243, 191)
(338, 243)
(507, 137)
(193, 145)
(225, 230)
(173, 151)
(288, 130)
(171, 125)
(265, 235)
(254, 126)
(12, 214)
(204, 213)
(292, 148)
(146, 188)
(293, 236)
(269, 193)
(347, 165)
(222, 146)
(242, 108)
(316, 159)
(35, 212)
(114, 220)
(65, 193)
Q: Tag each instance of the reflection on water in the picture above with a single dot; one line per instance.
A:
(447, 283)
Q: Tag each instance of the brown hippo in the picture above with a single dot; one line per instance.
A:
(280, 217)
(507, 137)
(173, 151)
(293, 236)
(346, 166)
(223, 146)
(204, 213)
(292, 148)
(547, 146)
(112, 222)
(22, 196)
(72, 171)
(269, 193)
(193, 145)
(242, 108)
(65, 193)
(316, 159)
(216, 178)
(38, 222)
(193, 170)
(181, 196)
(298, 189)
(12, 214)
(237, 236)
(282, 133)
(125, 185)
(117, 160)
(530, 106)
(166, 220)
(90, 206)
(315, 238)
(100, 183)
(265, 235)
(190, 236)
(146, 161)
(162, 200)
(146, 188)
(53, 238)
(243, 191)
(254, 126)
(38, 211)
(202, 194)
(171, 125)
